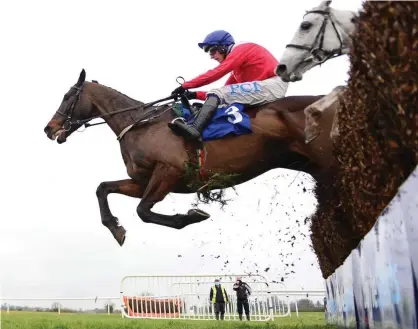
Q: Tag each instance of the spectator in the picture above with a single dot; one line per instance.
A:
(219, 297)
(243, 291)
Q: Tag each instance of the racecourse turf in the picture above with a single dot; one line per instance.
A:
(44, 320)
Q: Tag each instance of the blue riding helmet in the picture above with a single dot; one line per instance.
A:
(218, 37)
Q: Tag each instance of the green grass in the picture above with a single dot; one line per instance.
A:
(34, 320)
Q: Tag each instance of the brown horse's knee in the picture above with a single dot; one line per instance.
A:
(103, 190)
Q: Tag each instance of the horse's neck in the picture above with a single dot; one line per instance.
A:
(108, 100)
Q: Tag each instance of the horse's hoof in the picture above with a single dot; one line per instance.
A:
(120, 235)
(197, 215)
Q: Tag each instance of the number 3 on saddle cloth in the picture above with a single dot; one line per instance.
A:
(230, 120)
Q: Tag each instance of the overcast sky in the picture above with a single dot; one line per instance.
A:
(52, 242)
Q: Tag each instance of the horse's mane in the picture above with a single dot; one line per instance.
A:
(117, 91)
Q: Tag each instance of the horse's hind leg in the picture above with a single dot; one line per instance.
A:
(162, 182)
(126, 187)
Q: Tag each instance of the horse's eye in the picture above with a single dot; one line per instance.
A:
(305, 25)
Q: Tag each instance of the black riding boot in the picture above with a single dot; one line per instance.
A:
(194, 130)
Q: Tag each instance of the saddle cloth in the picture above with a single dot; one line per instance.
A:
(229, 120)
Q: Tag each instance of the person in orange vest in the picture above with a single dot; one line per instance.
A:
(219, 298)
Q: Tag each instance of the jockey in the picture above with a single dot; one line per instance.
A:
(252, 81)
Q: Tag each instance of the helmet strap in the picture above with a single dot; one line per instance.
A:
(229, 48)
(225, 50)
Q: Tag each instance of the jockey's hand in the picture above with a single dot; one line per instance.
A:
(178, 91)
(190, 94)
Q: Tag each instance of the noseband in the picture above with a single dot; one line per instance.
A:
(319, 54)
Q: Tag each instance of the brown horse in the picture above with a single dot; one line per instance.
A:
(156, 158)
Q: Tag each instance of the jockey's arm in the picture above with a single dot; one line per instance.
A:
(201, 95)
(233, 60)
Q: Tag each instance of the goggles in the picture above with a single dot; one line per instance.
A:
(211, 49)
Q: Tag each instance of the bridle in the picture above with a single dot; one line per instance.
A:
(69, 111)
(319, 54)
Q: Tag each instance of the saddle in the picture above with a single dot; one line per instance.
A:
(195, 107)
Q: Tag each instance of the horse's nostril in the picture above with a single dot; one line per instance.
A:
(47, 129)
(281, 68)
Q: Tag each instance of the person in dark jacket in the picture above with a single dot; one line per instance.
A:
(243, 291)
(218, 297)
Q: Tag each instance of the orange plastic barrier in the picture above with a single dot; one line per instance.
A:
(152, 307)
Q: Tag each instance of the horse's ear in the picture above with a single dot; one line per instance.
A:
(325, 4)
(81, 78)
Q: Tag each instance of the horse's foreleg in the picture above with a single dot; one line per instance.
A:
(126, 187)
(163, 181)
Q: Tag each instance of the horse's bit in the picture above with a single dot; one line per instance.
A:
(320, 55)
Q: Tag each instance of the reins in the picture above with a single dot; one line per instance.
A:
(145, 106)
(68, 123)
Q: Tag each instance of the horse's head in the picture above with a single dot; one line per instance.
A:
(75, 106)
(323, 34)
